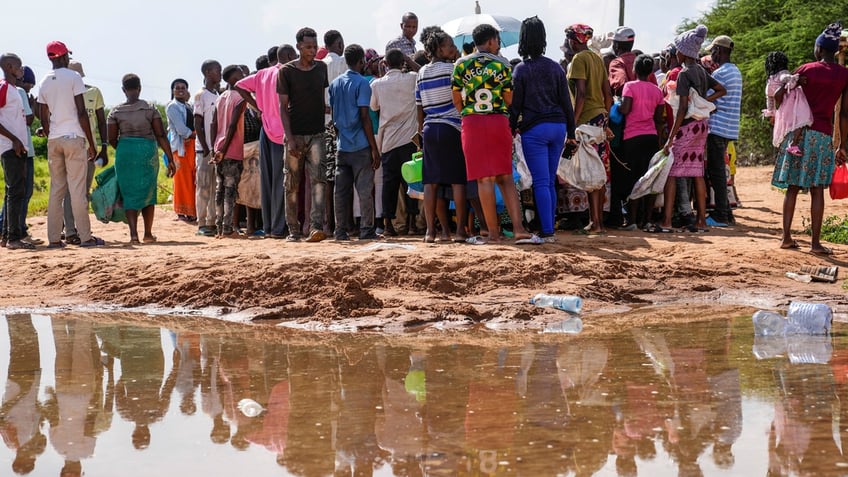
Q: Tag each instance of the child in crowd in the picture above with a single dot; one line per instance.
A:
(786, 104)
(228, 141)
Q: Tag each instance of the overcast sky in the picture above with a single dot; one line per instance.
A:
(161, 40)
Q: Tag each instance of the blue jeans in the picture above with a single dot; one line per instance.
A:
(272, 191)
(28, 188)
(15, 171)
(542, 145)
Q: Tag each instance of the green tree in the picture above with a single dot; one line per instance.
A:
(757, 28)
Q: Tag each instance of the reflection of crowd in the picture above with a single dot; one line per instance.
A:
(349, 409)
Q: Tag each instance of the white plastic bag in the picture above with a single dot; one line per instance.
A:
(653, 182)
(585, 169)
(698, 108)
(525, 179)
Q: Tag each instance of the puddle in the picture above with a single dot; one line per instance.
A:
(93, 396)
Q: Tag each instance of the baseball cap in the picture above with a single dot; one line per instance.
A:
(75, 65)
(56, 49)
(723, 41)
(29, 75)
(624, 33)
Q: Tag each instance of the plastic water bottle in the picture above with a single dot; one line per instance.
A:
(569, 303)
(250, 408)
(571, 325)
(767, 347)
(809, 318)
(768, 323)
(809, 349)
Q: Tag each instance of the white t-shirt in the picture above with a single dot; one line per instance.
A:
(58, 90)
(204, 105)
(12, 118)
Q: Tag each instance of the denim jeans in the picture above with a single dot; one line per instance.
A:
(312, 157)
(354, 171)
(717, 173)
(542, 145)
(15, 170)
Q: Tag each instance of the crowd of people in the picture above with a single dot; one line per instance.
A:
(311, 145)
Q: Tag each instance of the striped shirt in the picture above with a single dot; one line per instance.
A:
(725, 121)
(433, 93)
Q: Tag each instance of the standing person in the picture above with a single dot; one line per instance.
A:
(334, 44)
(405, 42)
(542, 111)
(643, 106)
(482, 92)
(823, 82)
(688, 136)
(724, 127)
(228, 141)
(439, 125)
(135, 127)
(204, 111)
(592, 101)
(60, 97)
(263, 85)
(301, 85)
(359, 157)
(393, 96)
(94, 106)
(13, 150)
(182, 139)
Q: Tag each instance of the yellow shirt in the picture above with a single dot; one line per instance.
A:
(588, 66)
(93, 101)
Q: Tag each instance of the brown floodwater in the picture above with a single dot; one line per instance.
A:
(82, 395)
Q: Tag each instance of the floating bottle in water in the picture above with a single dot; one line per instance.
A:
(809, 349)
(768, 323)
(809, 318)
(569, 303)
(571, 325)
(250, 408)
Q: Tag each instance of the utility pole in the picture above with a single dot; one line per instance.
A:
(620, 12)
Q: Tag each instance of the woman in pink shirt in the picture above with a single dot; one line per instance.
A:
(642, 104)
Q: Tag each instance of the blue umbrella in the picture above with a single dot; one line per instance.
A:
(460, 28)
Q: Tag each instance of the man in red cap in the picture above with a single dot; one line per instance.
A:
(60, 97)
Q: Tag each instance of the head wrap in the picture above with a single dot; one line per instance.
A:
(829, 39)
(579, 32)
(371, 56)
(689, 42)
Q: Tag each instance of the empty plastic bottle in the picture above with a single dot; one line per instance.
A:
(768, 323)
(571, 325)
(767, 347)
(809, 318)
(809, 349)
(569, 303)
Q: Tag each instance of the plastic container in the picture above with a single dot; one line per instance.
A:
(569, 303)
(809, 318)
(411, 170)
(809, 349)
(571, 325)
(767, 347)
(768, 323)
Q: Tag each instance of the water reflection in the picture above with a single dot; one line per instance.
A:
(693, 400)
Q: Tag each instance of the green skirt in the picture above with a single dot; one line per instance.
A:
(137, 167)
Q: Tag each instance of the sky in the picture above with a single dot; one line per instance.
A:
(160, 40)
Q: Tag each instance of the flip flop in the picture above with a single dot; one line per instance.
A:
(697, 230)
(823, 252)
(656, 229)
(93, 242)
(476, 240)
(532, 240)
(792, 246)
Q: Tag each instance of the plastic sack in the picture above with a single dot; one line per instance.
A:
(839, 184)
(106, 200)
(519, 163)
(698, 108)
(585, 169)
(653, 182)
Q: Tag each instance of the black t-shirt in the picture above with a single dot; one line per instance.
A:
(305, 90)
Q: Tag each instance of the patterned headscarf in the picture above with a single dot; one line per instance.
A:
(829, 39)
(371, 56)
(579, 32)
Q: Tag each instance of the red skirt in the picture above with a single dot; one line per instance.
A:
(487, 145)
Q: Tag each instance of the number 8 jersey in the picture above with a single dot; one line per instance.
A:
(482, 79)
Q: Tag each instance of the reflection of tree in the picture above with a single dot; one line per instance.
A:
(141, 396)
(20, 412)
(74, 405)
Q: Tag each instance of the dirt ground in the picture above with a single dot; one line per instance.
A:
(625, 278)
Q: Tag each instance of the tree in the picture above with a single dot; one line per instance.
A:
(757, 28)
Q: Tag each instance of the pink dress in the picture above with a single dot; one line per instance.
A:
(794, 112)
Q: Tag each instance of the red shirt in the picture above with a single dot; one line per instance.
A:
(825, 84)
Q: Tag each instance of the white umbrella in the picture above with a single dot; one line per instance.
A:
(460, 28)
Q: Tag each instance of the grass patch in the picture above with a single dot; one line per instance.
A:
(834, 229)
(41, 184)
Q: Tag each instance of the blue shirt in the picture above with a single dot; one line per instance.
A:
(540, 95)
(348, 93)
(433, 93)
(725, 121)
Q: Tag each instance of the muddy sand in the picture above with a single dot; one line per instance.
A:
(625, 278)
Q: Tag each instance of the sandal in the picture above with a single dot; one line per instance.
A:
(19, 245)
(476, 240)
(792, 246)
(150, 239)
(58, 244)
(93, 242)
(657, 229)
(531, 240)
(823, 252)
(73, 240)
